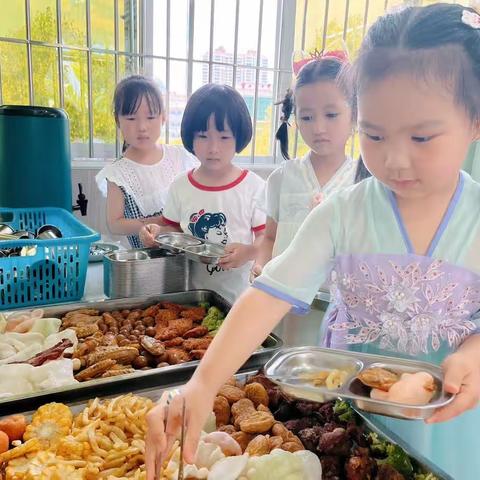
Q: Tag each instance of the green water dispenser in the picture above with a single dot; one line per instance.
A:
(35, 160)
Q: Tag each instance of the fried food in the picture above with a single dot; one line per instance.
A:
(332, 379)
(257, 394)
(83, 331)
(243, 439)
(164, 316)
(183, 325)
(167, 333)
(196, 332)
(174, 342)
(232, 394)
(13, 426)
(176, 356)
(258, 446)
(197, 354)
(123, 355)
(95, 370)
(221, 409)
(258, 422)
(379, 378)
(197, 343)
(153, 346)
(194, 313)
(118, 371)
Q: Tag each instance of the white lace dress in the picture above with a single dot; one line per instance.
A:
(145, 187)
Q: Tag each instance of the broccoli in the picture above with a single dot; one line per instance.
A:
(377, 446)
(214, 318)
(344, 411)
(425, 476)
(205, 305)
(398, 459)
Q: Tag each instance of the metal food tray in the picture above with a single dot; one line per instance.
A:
(194, 248)
(140, 379)
(287, 365)
(155, 393)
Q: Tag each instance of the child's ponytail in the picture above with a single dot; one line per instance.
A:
(282, 132)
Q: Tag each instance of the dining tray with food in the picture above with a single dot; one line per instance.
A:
(194, 248)
(75, 351)
(255, 432)
(390, 386)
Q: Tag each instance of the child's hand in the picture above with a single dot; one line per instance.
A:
(255, 272)
(461, 377)
(236, 255)
(148, 233)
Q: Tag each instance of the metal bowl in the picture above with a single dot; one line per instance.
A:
(207, 253)
(176, 242)
(127, 255)
(99, 249)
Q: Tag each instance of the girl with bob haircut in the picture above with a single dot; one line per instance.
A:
(217, 201)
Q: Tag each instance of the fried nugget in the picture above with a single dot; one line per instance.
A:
(176, 356)
(164, 316)
(197, 343)
(257, 394)
(258, 446)
(174, 342)
(195, 313)
(175, 307)
(257, 422)
(197, 354)
(221, 409)
(183, 325)
(196, 332)
(232, 394)
(165, 334)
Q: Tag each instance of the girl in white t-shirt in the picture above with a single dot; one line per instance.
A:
(217, 201)
(325, 121)
(136, 185)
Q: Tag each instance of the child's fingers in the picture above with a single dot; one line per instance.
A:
(455, 372)
(465, 400)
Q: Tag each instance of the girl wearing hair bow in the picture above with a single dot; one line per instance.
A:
(325, 121)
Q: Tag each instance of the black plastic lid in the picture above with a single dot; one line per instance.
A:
(32, 111)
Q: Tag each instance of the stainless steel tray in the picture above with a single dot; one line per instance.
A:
(287, 365)
(194, 248)
(141, 379)
(77, 406)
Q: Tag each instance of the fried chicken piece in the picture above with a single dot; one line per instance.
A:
(197, 314)
(164, 316)
(221, 409)
(232, 394)
(117, 371)
(79, 320)
(230, 429)
(183, 325)
(164, 334)
(197, 343)
(151, 311)
(174, 342)
(257, 394)
(175, 307)
(82, 311)
(153, 346)
(176, 356)
(196, 332)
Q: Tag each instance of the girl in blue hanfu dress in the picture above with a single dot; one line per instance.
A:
(402, 248)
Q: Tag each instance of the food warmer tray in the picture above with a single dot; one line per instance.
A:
(155, 393)
(140, 379)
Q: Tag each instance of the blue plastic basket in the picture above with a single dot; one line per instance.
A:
(58, 270)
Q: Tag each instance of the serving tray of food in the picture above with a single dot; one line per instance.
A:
(390, 386)
(256, 432)
(110, 346)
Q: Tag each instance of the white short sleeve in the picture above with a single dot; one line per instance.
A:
(172, 210)
(297, 274)
(274, 183)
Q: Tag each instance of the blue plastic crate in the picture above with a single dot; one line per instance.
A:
(58, 270)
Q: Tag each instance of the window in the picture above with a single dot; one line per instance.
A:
(71, 53)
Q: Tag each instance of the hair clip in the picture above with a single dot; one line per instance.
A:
(471, 19)
(317, 55)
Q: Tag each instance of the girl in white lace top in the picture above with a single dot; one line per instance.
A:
(136, 185)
